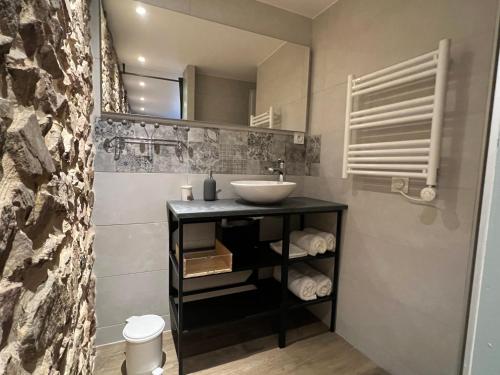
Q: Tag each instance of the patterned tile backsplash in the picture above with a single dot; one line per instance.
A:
(200, 150)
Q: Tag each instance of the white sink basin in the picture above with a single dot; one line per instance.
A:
(263, 191)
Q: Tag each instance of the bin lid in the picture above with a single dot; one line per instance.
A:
(143, 328)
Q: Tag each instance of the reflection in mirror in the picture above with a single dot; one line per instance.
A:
(166, 64)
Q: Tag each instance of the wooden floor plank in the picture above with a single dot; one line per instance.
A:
(312, 350)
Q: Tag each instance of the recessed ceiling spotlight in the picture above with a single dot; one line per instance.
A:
(141, 84)
(141, 59)
(140, 10)
(142, 108)
(142, 98)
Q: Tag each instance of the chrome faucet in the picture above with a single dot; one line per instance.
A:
(280, 170)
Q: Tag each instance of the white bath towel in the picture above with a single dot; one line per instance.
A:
(293, 252)
(328, 237)
(311, 243)
(302, 286)
(324, 284)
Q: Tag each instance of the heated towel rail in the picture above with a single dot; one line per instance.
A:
(408, 157)
(269, 119)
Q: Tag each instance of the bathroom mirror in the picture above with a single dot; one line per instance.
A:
(162, 63)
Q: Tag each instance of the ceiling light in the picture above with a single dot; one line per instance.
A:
(141, 59)
(142, 108)
(141, 84)
(140, 10)
(142, 98)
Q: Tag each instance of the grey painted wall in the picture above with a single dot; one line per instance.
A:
(405, 271)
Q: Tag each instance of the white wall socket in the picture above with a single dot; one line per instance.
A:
(298, 138)
(400, 184)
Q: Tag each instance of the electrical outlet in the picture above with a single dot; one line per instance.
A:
(298, 138)
(400, 184)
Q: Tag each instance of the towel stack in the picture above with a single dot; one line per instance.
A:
(310, 241)
(323, 283)
(329, 238)
(306, 282)
(302, 286)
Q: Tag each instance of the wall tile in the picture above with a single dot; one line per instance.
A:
(171, 160)
(210, 135)
(233, 151)
(295, 153)
(234, 137)
(295, 169)
(104, 161)
(130, 162)
(129, 198)
(259, 146)
(203, 157)
(278, 146)
(119, 297)
(232, 166)
(130, 248)
(313, 149)
(200, 150)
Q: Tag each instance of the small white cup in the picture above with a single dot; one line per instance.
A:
(187, 193)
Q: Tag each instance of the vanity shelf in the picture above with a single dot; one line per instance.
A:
(259, 298)
(264, 300)
(259, 256)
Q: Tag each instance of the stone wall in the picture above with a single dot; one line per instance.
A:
(114, 96)
(47, 288)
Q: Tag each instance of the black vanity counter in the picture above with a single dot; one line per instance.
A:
(199, 209)
(265, 298)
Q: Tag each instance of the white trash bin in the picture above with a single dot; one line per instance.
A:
(144, 344)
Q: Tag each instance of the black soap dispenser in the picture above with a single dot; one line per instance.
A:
(209, 188)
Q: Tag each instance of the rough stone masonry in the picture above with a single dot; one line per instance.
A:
(47, 288)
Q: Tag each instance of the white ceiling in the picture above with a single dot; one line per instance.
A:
(307, 8)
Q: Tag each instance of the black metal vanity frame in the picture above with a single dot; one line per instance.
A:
(270, 297)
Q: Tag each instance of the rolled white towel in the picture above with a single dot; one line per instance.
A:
(302, 286)
(323, 282)
(311, 243)
(328, 237)
(293, 251)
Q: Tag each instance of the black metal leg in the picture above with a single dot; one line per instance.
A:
(180, 318)
(336, 272)
(302, 221)
(284, 280)
(170, 224)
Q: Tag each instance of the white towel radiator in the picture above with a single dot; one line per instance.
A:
(413, 158)
(269, 119)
